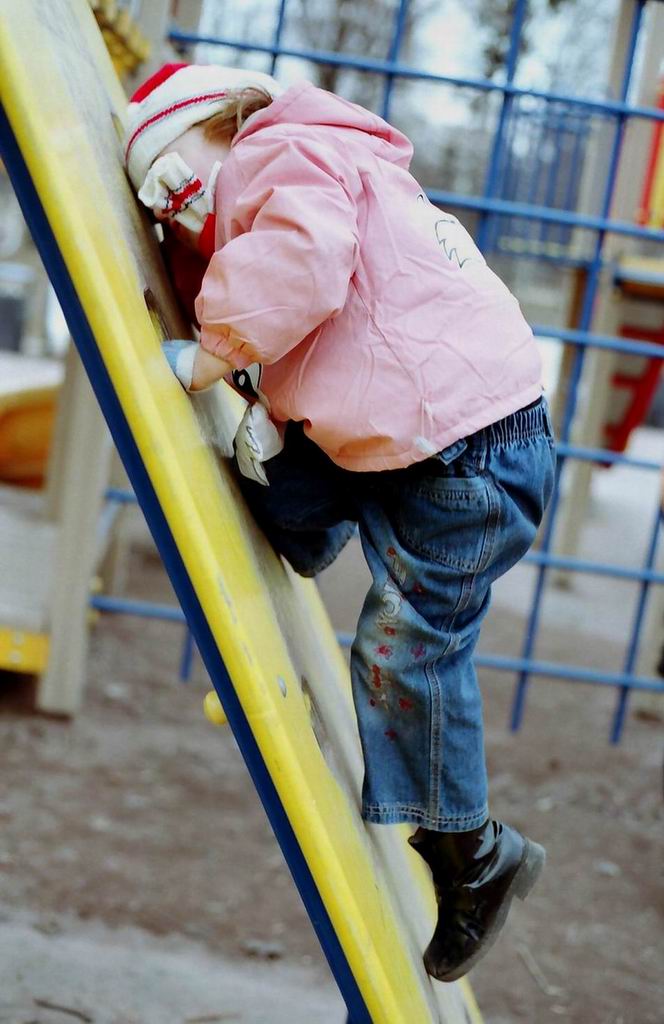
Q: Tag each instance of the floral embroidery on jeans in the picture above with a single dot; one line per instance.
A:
(392, 600)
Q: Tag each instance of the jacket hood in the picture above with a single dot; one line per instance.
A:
(304, 103)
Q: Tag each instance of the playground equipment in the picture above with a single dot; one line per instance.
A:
(600, 140)
(263, 634)
(50, 538)
(55, 537)
(617, 153)
(28, 396)
(101, 259)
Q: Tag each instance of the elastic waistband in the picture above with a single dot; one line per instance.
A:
(533, 421)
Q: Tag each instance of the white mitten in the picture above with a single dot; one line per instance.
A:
(180, 356)
(257, 439)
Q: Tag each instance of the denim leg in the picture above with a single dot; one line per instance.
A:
(416, 694)
(436, 537)
(307, 511)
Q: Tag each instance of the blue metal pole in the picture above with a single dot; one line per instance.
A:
(570, 672)
(505, 109)
(604, 455)
(590, 293)
(535, 172)
(142, 609)
(119, 495)
(651, 349)
(552, 137)
(573, 152)
(150, 610)
(619, 572)
(578, 220)
(580, 134)
(393, 54)
(281, 16)
(633, 648)
(187, 657)
(509, 174)
(516, 168)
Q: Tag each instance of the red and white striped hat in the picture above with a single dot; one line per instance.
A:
(174, 99)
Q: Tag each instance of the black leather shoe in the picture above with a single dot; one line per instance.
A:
(476, 875)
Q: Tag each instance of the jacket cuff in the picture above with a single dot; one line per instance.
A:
(228, 346)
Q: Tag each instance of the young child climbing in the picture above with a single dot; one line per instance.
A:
(395, 386)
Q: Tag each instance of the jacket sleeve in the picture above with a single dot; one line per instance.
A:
(292, 252)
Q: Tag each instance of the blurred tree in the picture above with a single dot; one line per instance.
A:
(495, 18)
(355, 29)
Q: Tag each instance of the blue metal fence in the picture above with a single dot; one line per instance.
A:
(506, 212)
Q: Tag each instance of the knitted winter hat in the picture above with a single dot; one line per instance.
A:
(174, 99)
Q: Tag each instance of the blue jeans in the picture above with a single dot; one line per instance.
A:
(435, 536)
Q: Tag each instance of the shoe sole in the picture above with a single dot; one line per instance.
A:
(527, 873)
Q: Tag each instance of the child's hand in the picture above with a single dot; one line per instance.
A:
(207, 370)
(181, 356)
(195, 368)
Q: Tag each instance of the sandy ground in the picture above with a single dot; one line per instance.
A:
(90, 972)
(140, 882)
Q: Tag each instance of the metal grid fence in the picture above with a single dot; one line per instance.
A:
(568, 114)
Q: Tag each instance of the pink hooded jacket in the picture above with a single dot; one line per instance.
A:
(376, 318)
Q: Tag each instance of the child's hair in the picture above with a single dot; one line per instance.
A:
(242, 103)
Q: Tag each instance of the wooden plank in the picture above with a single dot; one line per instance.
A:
(75, 497)
(27, 545)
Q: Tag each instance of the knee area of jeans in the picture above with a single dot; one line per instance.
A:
(309, 564)
(306, 572)
(304, 567)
